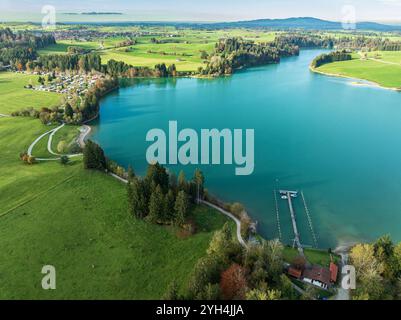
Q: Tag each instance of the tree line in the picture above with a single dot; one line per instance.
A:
(122, 69)
(64, 62)
(16, 49)
(234, 53)
(331, 57)
(305, 40)
(368, 44)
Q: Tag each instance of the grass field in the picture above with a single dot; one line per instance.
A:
(14, 97)
(384, 74)
(314, 256)
(62, 45)
(183, 50)
(386, 56)
(77, 221)
(68, 133)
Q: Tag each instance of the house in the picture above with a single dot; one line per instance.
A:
(295, 273)
(333, 272)
(318, 276)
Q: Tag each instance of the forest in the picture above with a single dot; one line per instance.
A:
(331, 57)
(235, 53)
(16, 49)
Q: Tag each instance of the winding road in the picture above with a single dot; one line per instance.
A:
(80, 140)
(230, 215)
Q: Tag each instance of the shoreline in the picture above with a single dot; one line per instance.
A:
(369, 83)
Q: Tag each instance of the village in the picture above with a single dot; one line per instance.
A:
(63, 83)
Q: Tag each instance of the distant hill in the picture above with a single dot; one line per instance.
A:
(306, 23)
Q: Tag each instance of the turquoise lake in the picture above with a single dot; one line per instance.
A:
(338, 143)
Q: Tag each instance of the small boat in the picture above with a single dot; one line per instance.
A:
(284, 197)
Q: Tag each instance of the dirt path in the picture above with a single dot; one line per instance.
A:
(231, 216)
(385, 62)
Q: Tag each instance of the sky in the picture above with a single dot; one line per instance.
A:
(203, 10)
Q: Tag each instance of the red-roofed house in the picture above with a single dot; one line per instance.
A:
(297, 274)
(333, 272)
(317, 276)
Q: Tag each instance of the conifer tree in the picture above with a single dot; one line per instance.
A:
(156, 205)
(182, 183)
(137, 198)
(181, 208)
(169, 202)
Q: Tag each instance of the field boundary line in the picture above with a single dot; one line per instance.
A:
(36, 196)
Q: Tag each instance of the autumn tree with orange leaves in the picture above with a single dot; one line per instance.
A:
(233, 283)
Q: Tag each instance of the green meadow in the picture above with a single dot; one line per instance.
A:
(314, 256)
(98, 44)
(68, 134)
(14, 97)
(77, 221)
(384, 74)
(183, 48)
(386, 56)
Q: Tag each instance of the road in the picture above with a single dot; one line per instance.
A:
(81, 139)
(342, 294)
(230, 215)
(49, 143)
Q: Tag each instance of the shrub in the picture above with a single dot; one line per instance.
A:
(64, 160)
(31, 160)
(62, 147)
(27, 158)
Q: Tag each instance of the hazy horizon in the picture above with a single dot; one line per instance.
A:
(385, 11)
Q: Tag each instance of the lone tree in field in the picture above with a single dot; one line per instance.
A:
(94, 156)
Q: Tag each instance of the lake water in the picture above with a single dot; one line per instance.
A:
(339, 143)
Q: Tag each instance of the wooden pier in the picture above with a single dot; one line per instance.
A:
(290, 195)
